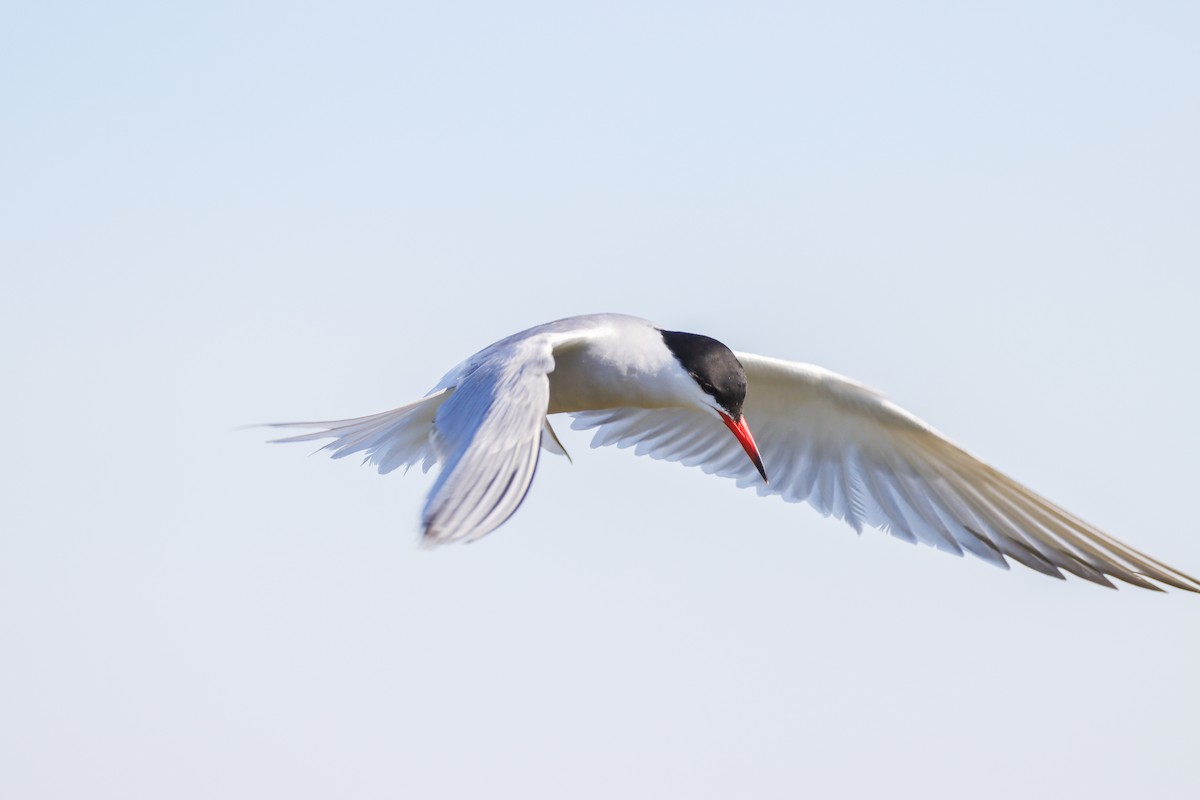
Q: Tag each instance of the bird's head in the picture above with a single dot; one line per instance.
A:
(722, 383)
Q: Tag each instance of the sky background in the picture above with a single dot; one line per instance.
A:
(228, 213)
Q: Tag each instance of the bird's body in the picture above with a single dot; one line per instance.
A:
(824, 439)
(600, 361)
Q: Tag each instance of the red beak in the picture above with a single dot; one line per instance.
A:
(742, 431)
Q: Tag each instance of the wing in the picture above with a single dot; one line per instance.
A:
(489, 433)
(851, 453)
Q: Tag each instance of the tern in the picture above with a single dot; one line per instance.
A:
(822, 439)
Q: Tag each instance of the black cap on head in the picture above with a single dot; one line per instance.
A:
(713, 366)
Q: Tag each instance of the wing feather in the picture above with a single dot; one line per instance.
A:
(491, 429)
(852, 454)
(484, 424)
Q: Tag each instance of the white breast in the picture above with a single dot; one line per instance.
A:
(623, 363)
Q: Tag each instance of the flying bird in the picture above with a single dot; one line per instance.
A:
(821, 438)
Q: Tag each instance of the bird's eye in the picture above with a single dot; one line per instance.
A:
(702, 383)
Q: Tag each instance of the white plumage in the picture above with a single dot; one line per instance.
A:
(823, 439)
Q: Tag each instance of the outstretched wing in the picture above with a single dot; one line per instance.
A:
(489, 433)
(851, 453)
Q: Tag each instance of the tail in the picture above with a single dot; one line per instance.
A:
(397, 438)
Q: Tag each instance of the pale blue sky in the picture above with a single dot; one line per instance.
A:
(225, 213)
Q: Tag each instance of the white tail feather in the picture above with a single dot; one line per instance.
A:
(397, 438)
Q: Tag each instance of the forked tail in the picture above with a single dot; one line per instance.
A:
(397, 438)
